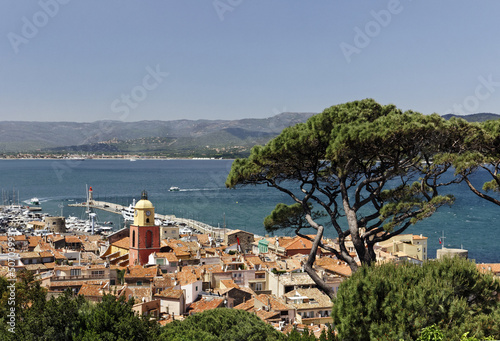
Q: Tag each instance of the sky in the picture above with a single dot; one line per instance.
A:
(89, 60)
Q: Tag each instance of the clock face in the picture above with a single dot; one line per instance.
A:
(148, 213)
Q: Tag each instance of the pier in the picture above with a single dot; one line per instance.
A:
(194, 224)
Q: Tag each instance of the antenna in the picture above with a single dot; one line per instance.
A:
(441, 240)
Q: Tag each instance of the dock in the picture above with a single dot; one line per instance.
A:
(194, 224)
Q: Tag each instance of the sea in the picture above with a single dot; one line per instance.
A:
(471, 223)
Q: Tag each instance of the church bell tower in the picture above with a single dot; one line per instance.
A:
(144, 234)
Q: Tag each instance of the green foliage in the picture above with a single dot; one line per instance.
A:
(391, 302)
(431, 333)
(328, 334)
(288, 216)
(219, 325)
(73, 318)
(113, 319)
(306, 335)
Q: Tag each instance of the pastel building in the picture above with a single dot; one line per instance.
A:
(414, 246)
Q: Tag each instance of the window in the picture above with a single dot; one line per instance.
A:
(149, 238)
(196, 288)
(75, 272)
(258, 286)
(139, 283)
(133, 238)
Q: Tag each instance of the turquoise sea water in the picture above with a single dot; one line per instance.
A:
(471, 222)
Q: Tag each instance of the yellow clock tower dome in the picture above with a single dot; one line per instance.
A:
(144, 212)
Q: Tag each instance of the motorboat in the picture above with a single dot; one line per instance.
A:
(174, 189)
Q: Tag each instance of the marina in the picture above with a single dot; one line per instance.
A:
(160, 219)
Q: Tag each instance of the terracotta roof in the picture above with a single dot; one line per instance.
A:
(43, 246)
(229, 283)
(265, 315)
(206, 304)
(238, 231)
(186, 277)
(34, 240)
(248, 305)
(491, 267)
(58, 255)
(72, 239)
(50, 266)
(95, 290)
(282, 241)
(123, 243)
(170, 256)
(203, 238)
(64, 284)
(253, 260)
(45, 254)
(34, 267)
(419, 237)
(181, 253)
(140, 293)
(90, 246)
(16, 238)
(334, 265)
(171, 293)
(299, 243)
(55, 238)
(297, 278)
(29, 255)
(276, 304)
(167, 280)
(315, 299)
(138, 271)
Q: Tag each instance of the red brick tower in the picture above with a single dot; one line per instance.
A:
(144, 234)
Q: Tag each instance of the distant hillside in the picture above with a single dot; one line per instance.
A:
(175, 138)
(480, 117)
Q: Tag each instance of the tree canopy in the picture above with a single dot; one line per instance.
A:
(393, 302)
(373, 169)
(221, 324)
(485, 156)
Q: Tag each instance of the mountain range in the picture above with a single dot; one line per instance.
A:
(168, 138)
(176, 138)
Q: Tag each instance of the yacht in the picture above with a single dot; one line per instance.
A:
(128, 212)
(35, 201)
(174, 189)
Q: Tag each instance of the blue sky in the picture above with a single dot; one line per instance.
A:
(63, 60)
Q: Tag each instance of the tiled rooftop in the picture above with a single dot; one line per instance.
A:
(206, 304)
(315, 299)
